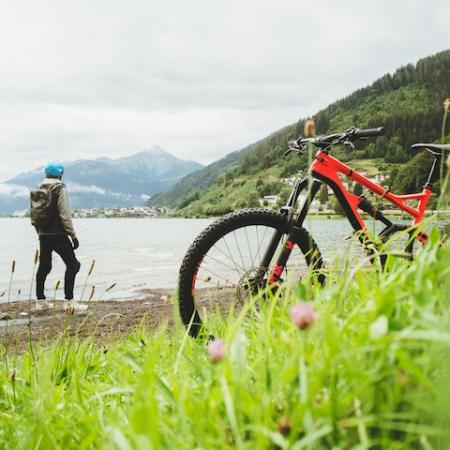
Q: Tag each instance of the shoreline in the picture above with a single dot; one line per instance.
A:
(103, 321)
(315, 215)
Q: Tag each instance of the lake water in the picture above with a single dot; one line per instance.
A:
(135, 254)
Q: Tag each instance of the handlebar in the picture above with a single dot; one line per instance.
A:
(369, 132)
(346, 138)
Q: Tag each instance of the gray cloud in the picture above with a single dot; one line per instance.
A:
(14, 190)
(108, 78)
(78, 188)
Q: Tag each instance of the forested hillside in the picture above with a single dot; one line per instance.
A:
(408, 103)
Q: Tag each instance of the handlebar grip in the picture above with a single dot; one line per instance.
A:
(369, 132)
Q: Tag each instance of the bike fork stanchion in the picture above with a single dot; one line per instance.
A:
(313, 188)
(268, 255)
(275, 275)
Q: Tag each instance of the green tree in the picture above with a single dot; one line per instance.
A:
(197, 208)
(269, 188)
(413, 175)
(253, 200)
(188, 199)
(323, 194)
(337, 208)
(393, 175)
(357, 189)
(283, 196)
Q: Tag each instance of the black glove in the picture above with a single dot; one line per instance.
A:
(75, 243)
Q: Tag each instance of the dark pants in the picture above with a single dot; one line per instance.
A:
(61, 245)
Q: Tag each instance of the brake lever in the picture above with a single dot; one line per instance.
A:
(291, 149)
(349, 144)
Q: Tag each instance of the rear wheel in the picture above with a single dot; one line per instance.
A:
(222, 266)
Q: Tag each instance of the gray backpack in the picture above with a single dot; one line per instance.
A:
(43, 205)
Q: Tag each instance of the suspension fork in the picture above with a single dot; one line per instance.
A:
(313, 186)
(275, 275)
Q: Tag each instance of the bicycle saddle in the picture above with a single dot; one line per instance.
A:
(436, 149)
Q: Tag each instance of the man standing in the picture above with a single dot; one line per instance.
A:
(52, 218)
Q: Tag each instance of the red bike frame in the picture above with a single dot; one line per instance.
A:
(328, 169)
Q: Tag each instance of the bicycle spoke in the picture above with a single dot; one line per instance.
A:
(248, 246)
(238, 247)
(258, 243)
(231, 255)
(231, 261)
(259, 246)
(222, 263)
(216, 275)
(226, 256)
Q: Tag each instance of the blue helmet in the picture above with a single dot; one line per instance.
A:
(54, 169)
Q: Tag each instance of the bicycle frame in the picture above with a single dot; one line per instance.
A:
(326, 169)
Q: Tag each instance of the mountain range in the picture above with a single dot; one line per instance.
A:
(407, 103)
(105, 182)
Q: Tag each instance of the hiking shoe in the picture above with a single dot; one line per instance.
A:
(71, 307)
(42, 305)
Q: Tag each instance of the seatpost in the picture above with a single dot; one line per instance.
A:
(431, 174)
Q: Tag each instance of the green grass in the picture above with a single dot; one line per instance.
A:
(370, 372)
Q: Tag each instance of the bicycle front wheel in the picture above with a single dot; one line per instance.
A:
(223, 264)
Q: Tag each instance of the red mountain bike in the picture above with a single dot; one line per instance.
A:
(251, 249)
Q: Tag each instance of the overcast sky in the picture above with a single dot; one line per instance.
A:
(90, 78)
